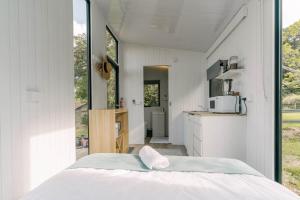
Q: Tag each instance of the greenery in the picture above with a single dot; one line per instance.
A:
(111, 46)
(291, 59)
(291, 151)
(291, 116)
(291, 99)
(111, 90)
(291, 160)
(81, 68)
(151, 95)
(81, 84)
(85, 119)
(111, 51)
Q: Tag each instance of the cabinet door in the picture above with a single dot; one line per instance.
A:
(198, 129)
(224, 137)
(185, 129)
(190, 133)
(197, 147)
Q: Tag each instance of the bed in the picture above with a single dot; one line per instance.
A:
(123, 176)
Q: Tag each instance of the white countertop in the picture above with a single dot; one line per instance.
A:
(203, 113)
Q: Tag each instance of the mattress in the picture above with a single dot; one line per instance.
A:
(88, 180)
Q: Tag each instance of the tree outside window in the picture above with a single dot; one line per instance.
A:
(112, 86)
(152, 93)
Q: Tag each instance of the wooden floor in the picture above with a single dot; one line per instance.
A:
(179, 148)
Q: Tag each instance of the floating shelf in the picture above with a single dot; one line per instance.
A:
(231, 74)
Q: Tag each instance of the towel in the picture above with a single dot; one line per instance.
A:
(152, 159)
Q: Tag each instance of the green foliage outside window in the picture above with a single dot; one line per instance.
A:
(291, 59)
(111, 90)
(111, 46)
(80, 68)
(151, 94)
(112, 53)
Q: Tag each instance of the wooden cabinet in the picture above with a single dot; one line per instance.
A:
(103, 134)
(215, 135)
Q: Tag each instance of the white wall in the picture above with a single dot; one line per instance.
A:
(186, 89)
(37, 134)
(155, 73)
(252, 42)
(98, 30)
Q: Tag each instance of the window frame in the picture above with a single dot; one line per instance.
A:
(152, 82)
(115, 65)
(116, 68)
(278, 92)
(89, 52)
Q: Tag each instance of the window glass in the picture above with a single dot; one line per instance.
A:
(291, 96)
(151, 94)
(111, 46)
(81, 79)
(112, 90)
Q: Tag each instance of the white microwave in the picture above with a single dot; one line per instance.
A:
(224, 104)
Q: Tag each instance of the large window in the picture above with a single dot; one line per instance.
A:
(152, 93)
(112, 45)
(113, 82)
(287, 48)
(81, 51)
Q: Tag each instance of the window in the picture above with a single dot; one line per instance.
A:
(111, 45)
(152, 93)
(113, 82)
(287, 99)
(82, 80)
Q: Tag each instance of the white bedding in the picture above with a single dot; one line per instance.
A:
(95, 184)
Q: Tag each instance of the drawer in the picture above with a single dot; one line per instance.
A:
(197, 146)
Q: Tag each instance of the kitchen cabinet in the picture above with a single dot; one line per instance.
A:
(215, 135)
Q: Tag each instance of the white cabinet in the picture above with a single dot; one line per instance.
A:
(215, 135)
(188, 137)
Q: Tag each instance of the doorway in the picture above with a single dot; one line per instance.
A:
(156, 104)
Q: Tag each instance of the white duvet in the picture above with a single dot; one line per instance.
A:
(93, 184)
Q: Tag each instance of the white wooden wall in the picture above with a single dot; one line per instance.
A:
(253, 42)
(98, 34)
(37, 137)
(186, 88)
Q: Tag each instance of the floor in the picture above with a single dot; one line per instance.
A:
(160, 140)
(165, 149)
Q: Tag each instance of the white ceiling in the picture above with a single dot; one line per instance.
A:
(180, 24)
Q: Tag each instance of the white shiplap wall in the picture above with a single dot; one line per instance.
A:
(186, 88)
(253, 42)
(37, 136)
(98, 34)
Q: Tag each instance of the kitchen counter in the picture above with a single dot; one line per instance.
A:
(203, 113)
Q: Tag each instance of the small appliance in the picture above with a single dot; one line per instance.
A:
(225, 104)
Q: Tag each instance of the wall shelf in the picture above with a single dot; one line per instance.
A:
(231, 74)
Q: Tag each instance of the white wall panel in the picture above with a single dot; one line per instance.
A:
(252, 42)
(186, 88)
(98, 30)
(37, 134)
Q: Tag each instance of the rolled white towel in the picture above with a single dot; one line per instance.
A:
(152, 159)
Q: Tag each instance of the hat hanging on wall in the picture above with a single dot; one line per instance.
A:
(104, 68)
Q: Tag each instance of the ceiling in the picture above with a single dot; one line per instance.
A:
(180, 24)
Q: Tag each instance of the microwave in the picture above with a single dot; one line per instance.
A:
(224, 104)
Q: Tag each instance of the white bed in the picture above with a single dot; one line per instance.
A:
(89, 183)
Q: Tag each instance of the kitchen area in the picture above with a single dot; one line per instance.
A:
(220, 130)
